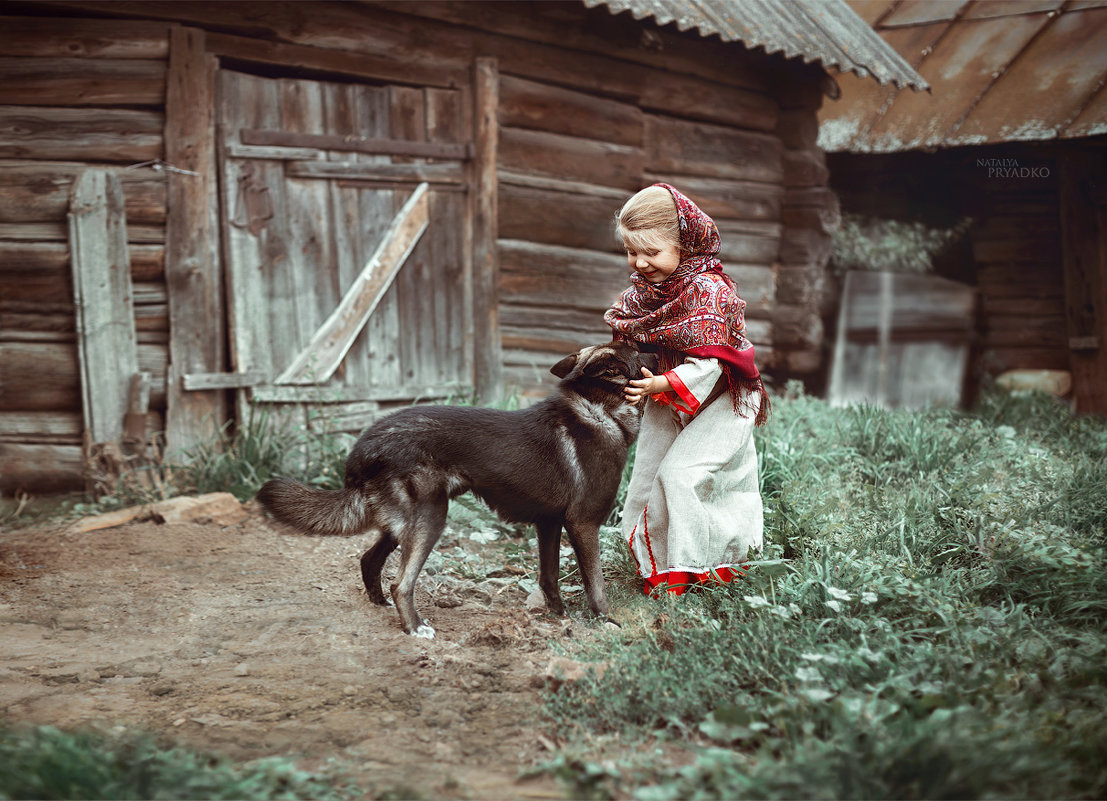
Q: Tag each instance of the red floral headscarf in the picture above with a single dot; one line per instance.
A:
(696, 311)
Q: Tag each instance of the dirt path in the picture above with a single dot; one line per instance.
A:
(251, 641)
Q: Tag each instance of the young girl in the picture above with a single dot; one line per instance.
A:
(693, 508)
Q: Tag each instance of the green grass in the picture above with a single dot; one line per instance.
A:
(50, 764)
(927, 621)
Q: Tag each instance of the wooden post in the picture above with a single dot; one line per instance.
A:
(1083, 209)
(106, 342)
(192, 268)
(487, 356)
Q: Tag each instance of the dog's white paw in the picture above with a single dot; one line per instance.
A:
(425, 631)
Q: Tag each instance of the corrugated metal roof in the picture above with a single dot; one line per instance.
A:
(1000, 71)
(822, 31)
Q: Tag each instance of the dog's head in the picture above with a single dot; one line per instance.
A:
(615, 363)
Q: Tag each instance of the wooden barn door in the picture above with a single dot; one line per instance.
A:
(346, 233)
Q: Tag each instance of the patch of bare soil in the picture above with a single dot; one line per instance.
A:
(251, 641)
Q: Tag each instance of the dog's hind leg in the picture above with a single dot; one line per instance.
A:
(549, 564)
(421, 532)
(372, 562)
(585, 539)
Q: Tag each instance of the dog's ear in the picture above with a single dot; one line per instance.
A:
(565, 366)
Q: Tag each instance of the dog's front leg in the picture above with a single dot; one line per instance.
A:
(585, 539)
(549, 564)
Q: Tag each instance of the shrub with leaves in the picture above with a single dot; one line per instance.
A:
(886, 245)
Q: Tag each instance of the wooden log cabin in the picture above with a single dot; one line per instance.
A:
(344, 206)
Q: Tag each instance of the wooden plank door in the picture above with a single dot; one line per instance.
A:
(323, 186)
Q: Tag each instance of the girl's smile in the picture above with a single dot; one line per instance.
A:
(654, 265)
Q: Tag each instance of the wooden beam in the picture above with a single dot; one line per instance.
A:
(487, 349)
(356, 144)
(200, 381)
(341, 61)
(347, 394)
(115, 135)
(36, 191)
(192, 268)
(548, 215)
(571, 158)
(317, 362)
(63, 428)
(437, 173)
(540, 106)
(41, 467)
(82, 81)
(615, 196)
(58, 37)
(680, 147)
(106, 342)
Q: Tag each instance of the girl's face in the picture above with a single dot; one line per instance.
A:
(653, 264)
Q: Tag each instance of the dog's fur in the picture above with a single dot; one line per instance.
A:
(557, 463)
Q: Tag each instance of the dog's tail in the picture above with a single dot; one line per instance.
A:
(324, 513)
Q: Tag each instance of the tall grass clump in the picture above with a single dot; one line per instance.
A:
(240, 459)
(47, 763)
(928, 619)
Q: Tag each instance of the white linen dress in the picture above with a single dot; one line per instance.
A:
(693, 508)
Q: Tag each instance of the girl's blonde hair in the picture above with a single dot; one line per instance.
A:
(649, 221)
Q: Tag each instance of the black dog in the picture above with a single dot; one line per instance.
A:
(557, 463)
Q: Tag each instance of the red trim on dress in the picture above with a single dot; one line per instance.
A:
(740, 359)
(675, 582)
(649, 547)
(670, 399)
(681, 389)
(630, 544)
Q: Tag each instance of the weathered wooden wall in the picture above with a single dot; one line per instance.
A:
(590, 110)
(71, 96)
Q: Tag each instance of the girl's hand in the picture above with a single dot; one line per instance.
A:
(649, 385)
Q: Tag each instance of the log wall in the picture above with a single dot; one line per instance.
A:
(590, 110)
(1016, 245)
(72, 95)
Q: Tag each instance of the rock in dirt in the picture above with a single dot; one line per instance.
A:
(536, 601)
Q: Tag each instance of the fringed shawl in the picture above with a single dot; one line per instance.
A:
(696, 311)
